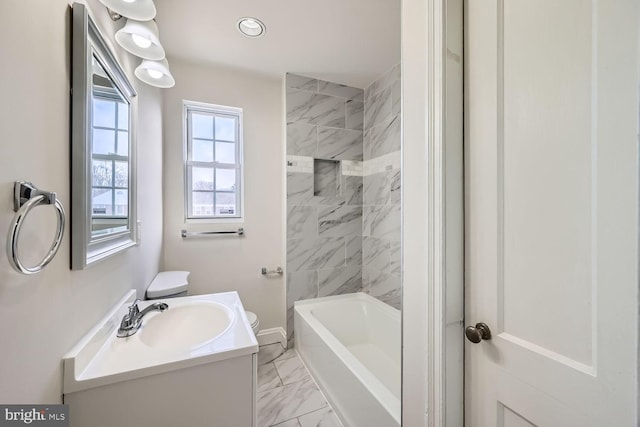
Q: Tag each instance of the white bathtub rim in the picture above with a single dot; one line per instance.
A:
(387, 399)
(386, 308)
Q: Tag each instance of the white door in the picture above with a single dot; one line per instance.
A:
(552, 212)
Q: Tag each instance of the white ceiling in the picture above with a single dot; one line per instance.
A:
(350, 42)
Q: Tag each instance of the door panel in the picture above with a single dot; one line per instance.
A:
(551, 211)
(545, 183)
(545, 179)
(512, 419)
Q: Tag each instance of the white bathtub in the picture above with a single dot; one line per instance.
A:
(351, 345)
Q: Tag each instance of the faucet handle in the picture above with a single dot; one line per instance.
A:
(133, 308)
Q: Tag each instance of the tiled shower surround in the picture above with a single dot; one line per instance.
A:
(341, 140)
(381, 265)
(324, 194)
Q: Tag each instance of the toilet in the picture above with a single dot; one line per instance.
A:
(172, 284)
(253, 321)
(168, 284)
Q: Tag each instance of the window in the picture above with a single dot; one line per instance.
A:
(110, 158)
(213, 161)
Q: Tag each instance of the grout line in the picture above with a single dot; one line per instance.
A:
(278, 373)
(307, 378)
(319, 390)
(269, 389)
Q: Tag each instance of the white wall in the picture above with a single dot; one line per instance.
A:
(42, 316)
(225, 263)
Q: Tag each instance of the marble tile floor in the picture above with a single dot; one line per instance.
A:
(287, 396)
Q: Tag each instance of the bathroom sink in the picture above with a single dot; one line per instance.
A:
(170, 367)
(193, 331)
(186, 326)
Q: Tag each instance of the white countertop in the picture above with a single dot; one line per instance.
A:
(101, 358)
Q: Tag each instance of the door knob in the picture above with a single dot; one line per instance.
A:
(477, 333)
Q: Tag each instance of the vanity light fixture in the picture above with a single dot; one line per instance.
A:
(251, 27)
(139, 36)
(140, 10)
(155, 73)
(141, 39)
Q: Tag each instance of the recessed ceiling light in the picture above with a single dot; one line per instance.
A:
(251, 27)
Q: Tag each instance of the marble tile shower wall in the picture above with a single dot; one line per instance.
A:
(381, 266)
(324, 209)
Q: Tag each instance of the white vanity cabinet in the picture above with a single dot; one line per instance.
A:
(191, 367)
(214, 394)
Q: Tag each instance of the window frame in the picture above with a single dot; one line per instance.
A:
(189, 107)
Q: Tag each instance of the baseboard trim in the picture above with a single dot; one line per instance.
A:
(272, 336)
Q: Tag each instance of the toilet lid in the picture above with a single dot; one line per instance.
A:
(168, 283)
(251, 316)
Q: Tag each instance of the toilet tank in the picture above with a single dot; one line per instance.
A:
(168, 284)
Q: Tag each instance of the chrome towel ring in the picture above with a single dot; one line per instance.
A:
(25, 197)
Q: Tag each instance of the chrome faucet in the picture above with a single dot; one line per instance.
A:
(132, 321)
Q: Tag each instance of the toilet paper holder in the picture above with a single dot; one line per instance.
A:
(266, 272)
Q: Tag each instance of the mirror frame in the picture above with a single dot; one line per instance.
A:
(87, 41)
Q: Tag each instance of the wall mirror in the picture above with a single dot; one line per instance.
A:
(102, 148)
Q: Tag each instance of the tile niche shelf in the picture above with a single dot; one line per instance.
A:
(326, 178)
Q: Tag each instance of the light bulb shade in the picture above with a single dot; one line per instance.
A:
(141, 39)
(141, 10)
(155, 73)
